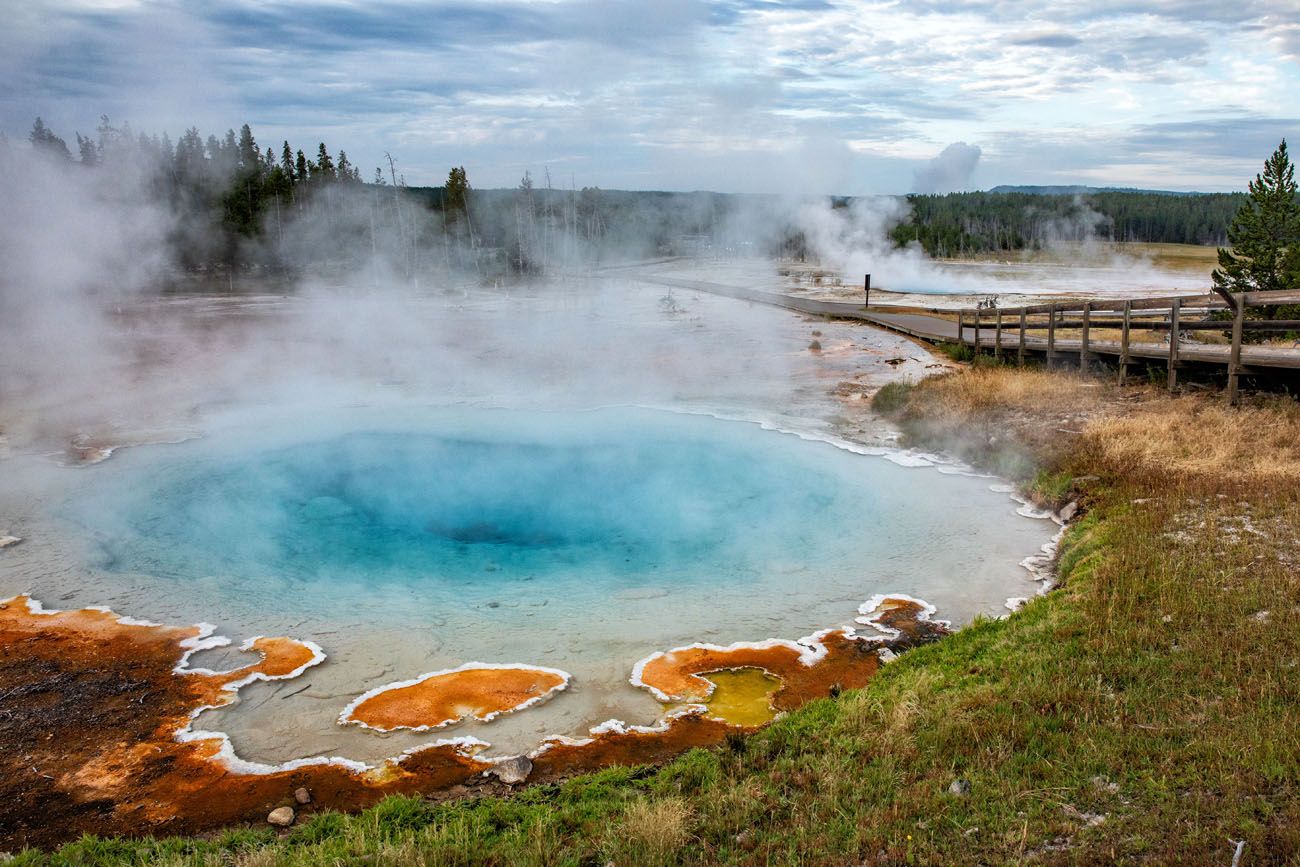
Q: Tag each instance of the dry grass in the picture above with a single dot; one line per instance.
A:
(1008, 389)
(1203, 437)
(652, 830)
(1010, 419)
(1134, 430)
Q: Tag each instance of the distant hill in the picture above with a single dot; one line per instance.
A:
(1050, 190)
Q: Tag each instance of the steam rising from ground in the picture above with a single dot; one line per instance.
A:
(369, 287)
(950, 171)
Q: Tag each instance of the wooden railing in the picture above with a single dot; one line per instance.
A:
(1127, 316)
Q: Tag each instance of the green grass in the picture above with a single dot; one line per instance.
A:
(957, 351)
(1051, 487)
(1145, 711)
(891, 397)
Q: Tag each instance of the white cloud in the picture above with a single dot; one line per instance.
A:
(659, 94)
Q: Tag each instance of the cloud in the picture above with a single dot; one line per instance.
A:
(1047, 40)
(628, 93)
(950, 171)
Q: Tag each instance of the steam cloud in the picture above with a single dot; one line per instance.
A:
(950, 171)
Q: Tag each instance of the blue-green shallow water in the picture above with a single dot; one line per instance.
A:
(453, 510)
(405, 541)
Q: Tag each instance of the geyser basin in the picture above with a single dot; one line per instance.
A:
(408, 542)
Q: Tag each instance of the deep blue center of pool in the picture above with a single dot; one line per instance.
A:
(654, 498)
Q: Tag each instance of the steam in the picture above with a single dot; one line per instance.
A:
(950, 171)
(75, 247)
(854, 240)
(367, 297)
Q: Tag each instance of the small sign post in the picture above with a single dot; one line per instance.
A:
(866, 291)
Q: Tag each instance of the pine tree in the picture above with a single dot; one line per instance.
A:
(1264, 239)
(302, 171)
(457, 190)
(286, 162)
(88, 150)
(324, 164)
(45, 141)
(250, 158)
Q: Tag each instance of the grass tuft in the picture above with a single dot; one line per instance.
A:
(891, 397)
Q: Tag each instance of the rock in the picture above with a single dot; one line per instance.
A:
(1103, 784)
(512, 771)
(7, 541)
(960, 788)
(281, 817)
(1068, 511)
(301, 795)
(1092, 820)
(815, 346)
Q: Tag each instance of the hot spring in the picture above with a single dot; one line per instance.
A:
(410, 541)
(472, 491)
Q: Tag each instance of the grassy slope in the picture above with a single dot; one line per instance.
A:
(1147, 710)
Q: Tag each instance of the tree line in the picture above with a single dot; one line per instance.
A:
(228, 193)
(963, 223)
(236, 203)
(239, 204)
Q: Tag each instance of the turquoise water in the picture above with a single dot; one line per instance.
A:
(407, 541)
(451, 512)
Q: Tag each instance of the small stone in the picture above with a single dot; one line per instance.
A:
(1261, 616)
(7, 541)
(1069, 510)
(815, 346)
(494, 605)
(1168, 618)
(960, 788)
(281, 817)
(301, 795)
(512, 771)
(1102, 784)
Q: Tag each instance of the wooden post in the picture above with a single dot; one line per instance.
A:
(1051, 334)
(866, 292)
(997, 338)
(1020, 352)
(1083, 345)
(961, 327)
(977, 331)
(1173, 344)
(1234, 357)
(1123, 344)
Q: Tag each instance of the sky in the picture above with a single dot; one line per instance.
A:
(733, 95)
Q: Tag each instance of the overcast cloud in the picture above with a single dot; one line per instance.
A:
(737, 95)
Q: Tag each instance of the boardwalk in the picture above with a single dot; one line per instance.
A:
(936, 329)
